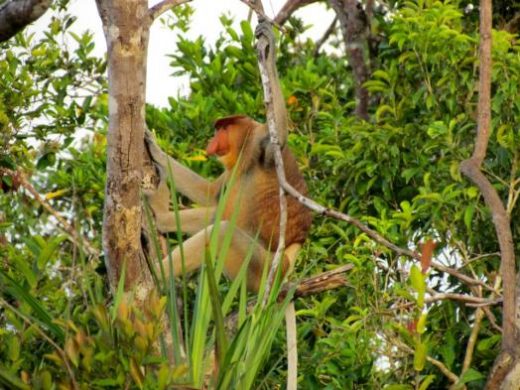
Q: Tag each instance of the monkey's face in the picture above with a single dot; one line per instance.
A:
(231, 137)
(226, 144)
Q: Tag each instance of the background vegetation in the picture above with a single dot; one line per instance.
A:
(394, 326)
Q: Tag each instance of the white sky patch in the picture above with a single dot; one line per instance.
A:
(205, 22)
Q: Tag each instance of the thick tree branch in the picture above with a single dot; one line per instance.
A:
(16, 14)
(354, 26)
(506, 364)
(472, 169)
(290, 7)
(160, 8)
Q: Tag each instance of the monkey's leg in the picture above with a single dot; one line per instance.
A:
(241, 244)
(191, 220)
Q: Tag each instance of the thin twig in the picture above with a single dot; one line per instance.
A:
(322, 210)
(470, 348)
(463, 277)
(59, 350)
(489, 314)
(325, 36)
(470, 300)
(68, 228)
(165, 5)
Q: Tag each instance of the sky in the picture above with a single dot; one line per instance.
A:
(205, 21)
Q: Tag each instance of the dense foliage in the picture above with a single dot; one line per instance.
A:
(398, 173)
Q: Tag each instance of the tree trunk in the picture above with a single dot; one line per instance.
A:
(126, 28)
(354, 27)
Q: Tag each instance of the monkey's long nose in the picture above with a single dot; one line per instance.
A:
(212, 147)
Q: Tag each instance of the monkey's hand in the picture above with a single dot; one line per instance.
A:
(158, 156)
(265, 40)
(158, 196)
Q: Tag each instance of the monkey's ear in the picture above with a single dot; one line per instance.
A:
(230, 120)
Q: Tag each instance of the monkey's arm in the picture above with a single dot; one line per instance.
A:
(190, 220)
(266, 47)
(187, 182)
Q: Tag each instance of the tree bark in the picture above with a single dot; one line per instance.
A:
(126, 27)
(354, 27)
(16, 14)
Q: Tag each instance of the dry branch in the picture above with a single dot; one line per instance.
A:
(313, 285)
(328, 280)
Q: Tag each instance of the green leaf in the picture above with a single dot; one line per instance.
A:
(488, 344)
(41, 315)
(426, 382)
(13, 345)
(48, 159)
(468, 216)
(7, 162)
(421, 323)
(119, 292)
(418, 281)
(11, 381)
(419, 358)
(48, 250)
(470, 376)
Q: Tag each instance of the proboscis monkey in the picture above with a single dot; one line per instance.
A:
(243, 147)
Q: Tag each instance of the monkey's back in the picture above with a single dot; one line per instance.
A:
(262, 210)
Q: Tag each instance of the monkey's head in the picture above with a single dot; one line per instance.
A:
(231, 135)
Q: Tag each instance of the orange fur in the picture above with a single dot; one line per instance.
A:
(256, 191)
